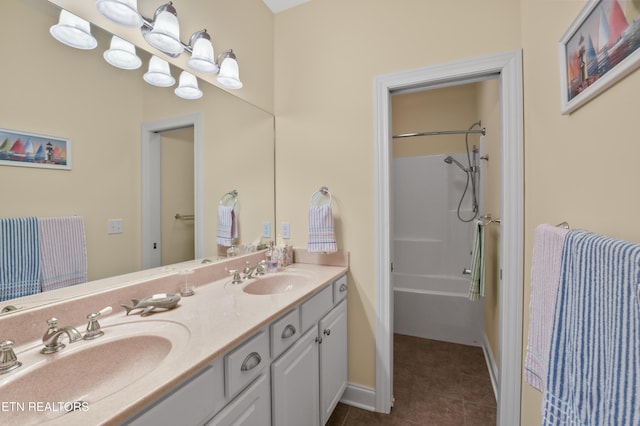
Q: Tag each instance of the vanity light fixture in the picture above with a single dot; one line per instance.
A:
(158, 73)
(73, 31)
(188, 86)
(164, 31)
(229, 76)
(202, 53)
(122, 54)
(123, 12)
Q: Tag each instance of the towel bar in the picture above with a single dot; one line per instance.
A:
(185, 216)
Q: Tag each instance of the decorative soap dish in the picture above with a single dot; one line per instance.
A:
(150, 304)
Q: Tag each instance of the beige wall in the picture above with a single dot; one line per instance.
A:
(327, 53)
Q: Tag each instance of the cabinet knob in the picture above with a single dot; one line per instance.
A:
(327, 331)
(319, 340)
(343, 288)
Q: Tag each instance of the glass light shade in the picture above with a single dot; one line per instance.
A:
(188, 86)
(122, 54)
(165, 35)
(202, 57)
(123, 12)
(158, 73)
(229, 76)
(73, 31)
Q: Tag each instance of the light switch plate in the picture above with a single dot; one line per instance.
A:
(286, 230)
(266, 229)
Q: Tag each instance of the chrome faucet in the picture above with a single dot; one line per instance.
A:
(52, 337)
(259, 269)
(8, 359)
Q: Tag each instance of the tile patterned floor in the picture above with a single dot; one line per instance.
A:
(435, 384)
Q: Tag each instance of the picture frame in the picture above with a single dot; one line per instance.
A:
(600, 48)
(25, 149)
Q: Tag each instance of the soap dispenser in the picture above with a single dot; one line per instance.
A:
(271, 258)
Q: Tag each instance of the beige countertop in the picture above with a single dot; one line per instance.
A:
(218, 317)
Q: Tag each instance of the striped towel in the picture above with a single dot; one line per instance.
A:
(321, 233)
(19, 257)
(63, 251)
(227, 225)
(476, 288)
(594, 362)
(545, 275)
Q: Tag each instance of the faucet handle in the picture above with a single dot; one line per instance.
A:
(93, 327)
(8, 359)
(52, 323)
(237, 279)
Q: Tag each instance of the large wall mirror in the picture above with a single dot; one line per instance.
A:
(51, 89)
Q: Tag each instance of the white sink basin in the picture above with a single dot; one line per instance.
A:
(281, 282)
(85, 372)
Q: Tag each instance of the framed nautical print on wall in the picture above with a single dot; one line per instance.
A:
(18, 148)
(599, 48)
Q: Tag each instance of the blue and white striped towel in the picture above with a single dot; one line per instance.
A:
(63, 251)
(476, 286)
(19, 257)
(322, 236)
(594, 361)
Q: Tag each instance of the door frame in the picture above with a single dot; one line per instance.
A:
(508, 66)
(150, 177)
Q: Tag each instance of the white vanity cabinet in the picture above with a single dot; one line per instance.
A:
(308, 380)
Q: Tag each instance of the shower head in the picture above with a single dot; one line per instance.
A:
(449, 159)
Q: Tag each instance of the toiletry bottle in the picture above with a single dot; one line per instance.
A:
(271, 258)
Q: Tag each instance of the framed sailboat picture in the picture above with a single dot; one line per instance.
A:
(599, 49)
(25, 149)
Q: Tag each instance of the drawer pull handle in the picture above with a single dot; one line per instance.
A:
(327, 331)
(343, 288)
(288, 331)
(251, 361)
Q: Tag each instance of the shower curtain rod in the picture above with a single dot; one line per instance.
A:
(482, 131)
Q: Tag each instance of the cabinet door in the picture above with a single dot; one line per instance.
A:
(251, 408)
(333, 359)
(295, 384)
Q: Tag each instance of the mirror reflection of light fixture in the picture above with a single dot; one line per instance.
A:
(73, 31)
(164, 32)
(122, 54)
(188, 86)
(202, 53)
(229, 76)
(123, 12)
(158, 73)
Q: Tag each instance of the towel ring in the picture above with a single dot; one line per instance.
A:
(321, 193)
(229, 196)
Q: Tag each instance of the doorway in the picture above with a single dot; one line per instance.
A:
(508, 68)
(151, 189)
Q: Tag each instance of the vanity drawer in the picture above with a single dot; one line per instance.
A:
(313, 309)
(340, 288)
(244, 363)
(284, 332)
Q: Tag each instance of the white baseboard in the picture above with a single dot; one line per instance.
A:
(359, 396)
(491, 365)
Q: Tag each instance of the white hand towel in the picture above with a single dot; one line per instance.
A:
(63, 251)
(227, 225)
(545, 276)
(321, 232)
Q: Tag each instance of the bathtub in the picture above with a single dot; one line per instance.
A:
(431, 247)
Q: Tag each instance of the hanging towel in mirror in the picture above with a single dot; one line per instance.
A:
(545, 275)
(321, 232)
(227, 225)
(476, 287)
(63, 251)
(19, 257)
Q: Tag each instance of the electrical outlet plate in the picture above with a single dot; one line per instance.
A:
(266, 229)
(286, 230)
(114, 226)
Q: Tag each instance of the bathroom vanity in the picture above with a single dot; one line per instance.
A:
(270, 350)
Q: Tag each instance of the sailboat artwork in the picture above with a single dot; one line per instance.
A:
(31, 150)
(600, 47)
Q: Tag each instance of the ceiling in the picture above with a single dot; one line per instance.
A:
(280, 5)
